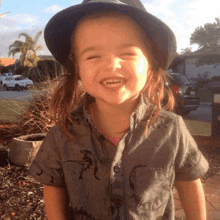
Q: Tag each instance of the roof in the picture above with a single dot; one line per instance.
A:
(7, 61)
(46, 57)
(205, 51)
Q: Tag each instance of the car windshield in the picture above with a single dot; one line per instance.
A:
(9, 78)
(180, 80)
(20, 78)
(6, 74)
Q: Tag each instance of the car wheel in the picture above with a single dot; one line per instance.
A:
(17, 87)
(5, 87)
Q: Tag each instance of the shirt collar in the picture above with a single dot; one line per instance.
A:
(142, 111)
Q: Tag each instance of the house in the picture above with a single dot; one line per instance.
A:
(8, 65)
(7, 61)
(187, 64)
(46, 57)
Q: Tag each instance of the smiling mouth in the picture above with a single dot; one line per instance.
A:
(112, 83)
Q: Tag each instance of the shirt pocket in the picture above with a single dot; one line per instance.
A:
(151, 186)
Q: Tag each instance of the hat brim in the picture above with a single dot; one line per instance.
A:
(59, 29)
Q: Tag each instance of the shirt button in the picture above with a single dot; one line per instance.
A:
(116, 169)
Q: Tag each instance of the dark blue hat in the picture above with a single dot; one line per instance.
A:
(59, 29)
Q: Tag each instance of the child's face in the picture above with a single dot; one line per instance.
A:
(111, 57)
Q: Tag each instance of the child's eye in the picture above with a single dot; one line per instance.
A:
(128, 54)
(93, 57)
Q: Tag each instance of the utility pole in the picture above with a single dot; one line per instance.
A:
(1, 15)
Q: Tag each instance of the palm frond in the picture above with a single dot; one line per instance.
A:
(13, 52)
(12, 46)
(16, 44)
(24, 34)
(25, 47)
(36, 36)
(39, 47)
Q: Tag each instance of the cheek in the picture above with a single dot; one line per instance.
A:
(86, 76)
(84, 72)
(142, 66)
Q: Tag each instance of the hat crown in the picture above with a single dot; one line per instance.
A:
(132, 3)
(58, 31)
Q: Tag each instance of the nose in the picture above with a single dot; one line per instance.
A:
(111, 63)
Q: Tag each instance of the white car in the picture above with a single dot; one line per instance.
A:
(4, 75)
(17, 82)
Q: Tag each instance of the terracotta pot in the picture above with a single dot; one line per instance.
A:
(24, 148)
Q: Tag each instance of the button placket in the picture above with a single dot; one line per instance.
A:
(116, 168)
(115, 171)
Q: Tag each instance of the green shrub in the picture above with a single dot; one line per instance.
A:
(45, 70)
(34, 117)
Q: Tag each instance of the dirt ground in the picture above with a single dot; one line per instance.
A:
(21, 197)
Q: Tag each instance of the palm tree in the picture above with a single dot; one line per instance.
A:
(27, 49)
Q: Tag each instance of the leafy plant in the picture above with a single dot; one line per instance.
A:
(211, 59)
(207, 36)
(27, 49)
(34, 117)
(186, 51)
(44, 70)
(1, 66)
(203, 79)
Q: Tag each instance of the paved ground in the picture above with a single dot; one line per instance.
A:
(203, 113)
(19, 95)
(212, 194)
(211, 186)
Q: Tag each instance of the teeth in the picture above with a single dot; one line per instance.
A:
(112, 83)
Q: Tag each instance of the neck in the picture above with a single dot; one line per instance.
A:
(113, 120)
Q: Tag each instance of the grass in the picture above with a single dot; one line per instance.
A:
(10, 109)
(199, 127)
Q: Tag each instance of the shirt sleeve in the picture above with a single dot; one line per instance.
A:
(46, 167)
(190, 164)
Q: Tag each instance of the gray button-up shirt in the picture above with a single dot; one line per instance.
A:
(131, 181)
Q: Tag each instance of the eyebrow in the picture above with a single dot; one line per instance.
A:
(94, 48)
(88, 49)
(127, 45)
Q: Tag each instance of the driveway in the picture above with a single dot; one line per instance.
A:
(203, 113)
(19, 95)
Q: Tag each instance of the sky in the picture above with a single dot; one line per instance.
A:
(182, 16)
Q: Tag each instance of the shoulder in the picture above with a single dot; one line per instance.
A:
(168, 118)
(55, 134)
(167, 114)
(169, 123)
(177, 120)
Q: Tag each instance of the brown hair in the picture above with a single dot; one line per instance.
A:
(69, 91)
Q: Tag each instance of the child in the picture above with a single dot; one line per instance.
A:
(115, 152)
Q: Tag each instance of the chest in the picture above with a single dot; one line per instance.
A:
(118, 183)
(137, 173)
